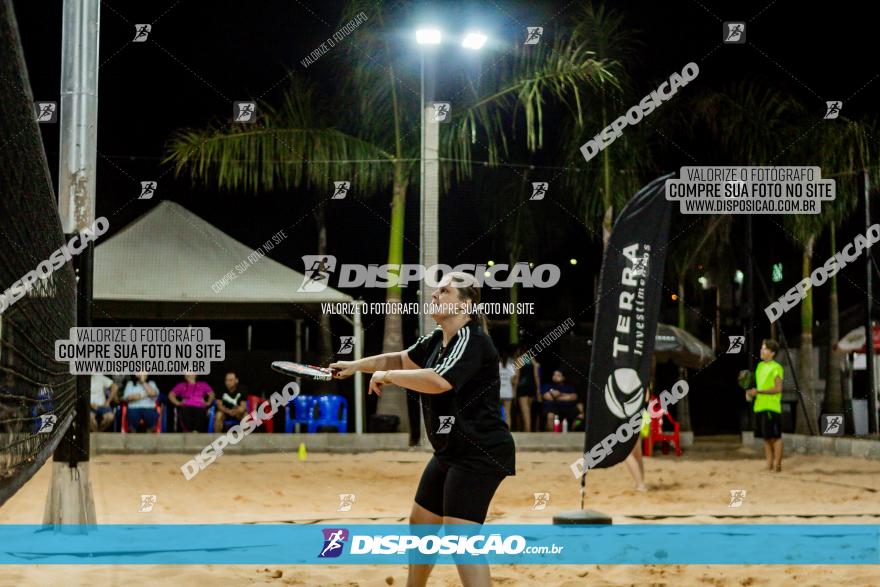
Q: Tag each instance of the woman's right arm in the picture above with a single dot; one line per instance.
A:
(383, 362)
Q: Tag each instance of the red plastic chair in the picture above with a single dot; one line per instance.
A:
(254, 402)
(658, 435)
(124, 423)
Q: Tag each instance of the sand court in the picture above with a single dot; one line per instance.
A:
(279, 488)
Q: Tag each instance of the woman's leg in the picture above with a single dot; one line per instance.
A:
(636, 469)
(218, 422)
(133, 415)
(427, 509)
(466, 500)
(525, 408)
(506, 403)
(471, 575)
(106, 421)
(418, 574)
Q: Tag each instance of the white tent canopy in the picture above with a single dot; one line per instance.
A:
(171, 255)
(171, 264)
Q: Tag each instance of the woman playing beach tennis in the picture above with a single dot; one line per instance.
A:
(454, 368)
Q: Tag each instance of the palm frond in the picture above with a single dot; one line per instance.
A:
(287, 147)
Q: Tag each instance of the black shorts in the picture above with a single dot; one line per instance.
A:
(768, 425)
(526, 391)
(192, 419)
(565, 410)
(454, 492)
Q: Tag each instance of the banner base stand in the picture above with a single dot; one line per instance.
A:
(582, 517)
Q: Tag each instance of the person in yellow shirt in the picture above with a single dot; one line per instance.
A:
(768, 404)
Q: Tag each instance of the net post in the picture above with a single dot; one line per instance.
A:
(70, 502)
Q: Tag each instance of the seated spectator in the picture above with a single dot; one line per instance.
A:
(104, 391)
(192, 399)
(560, 400)
(140, 395)
(232, 405)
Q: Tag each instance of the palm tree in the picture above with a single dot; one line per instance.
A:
(844, 149)
(705, 241)
(367, 127)
(619, 174)
(289, 147)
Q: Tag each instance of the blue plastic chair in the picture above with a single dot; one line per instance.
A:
(304, 412)
(328, 413)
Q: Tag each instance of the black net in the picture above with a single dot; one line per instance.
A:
(37, 394)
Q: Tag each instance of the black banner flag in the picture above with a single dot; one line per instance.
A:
(630, 290)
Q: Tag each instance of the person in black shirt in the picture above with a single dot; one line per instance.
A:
(232, 405)
(454, 368)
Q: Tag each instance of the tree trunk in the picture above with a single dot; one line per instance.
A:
(684, 407)
(326, 349)
(513, 324)
(393, 398)
(805, 359)
(833, 403)
(608, 220)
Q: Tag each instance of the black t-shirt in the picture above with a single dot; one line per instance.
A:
(478, 439)
(232, 399)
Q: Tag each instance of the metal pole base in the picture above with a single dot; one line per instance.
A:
(70, 498)
(582, 517)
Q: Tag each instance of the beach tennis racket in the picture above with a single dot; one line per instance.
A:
(302, 370)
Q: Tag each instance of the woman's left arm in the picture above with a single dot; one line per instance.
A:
(420, 380)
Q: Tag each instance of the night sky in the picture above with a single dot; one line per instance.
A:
(203, 55)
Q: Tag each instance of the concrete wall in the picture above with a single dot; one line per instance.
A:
(114, 443)
(833, 445)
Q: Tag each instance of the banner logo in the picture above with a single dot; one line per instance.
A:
(346, 500)
(340, 190)
(833, 109)
(46, 111)
(541, 501)
(735, 33)
(533, 34)
(244, 111)
(318, 270)
(446, 423)
(47, 423)
(141, 32)
(737, 497)
(832, 424)
(539, 190)
(623, 392)
(346, 345)
(334, 540)
(736, 344)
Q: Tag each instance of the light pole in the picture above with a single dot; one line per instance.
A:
(429, 162)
